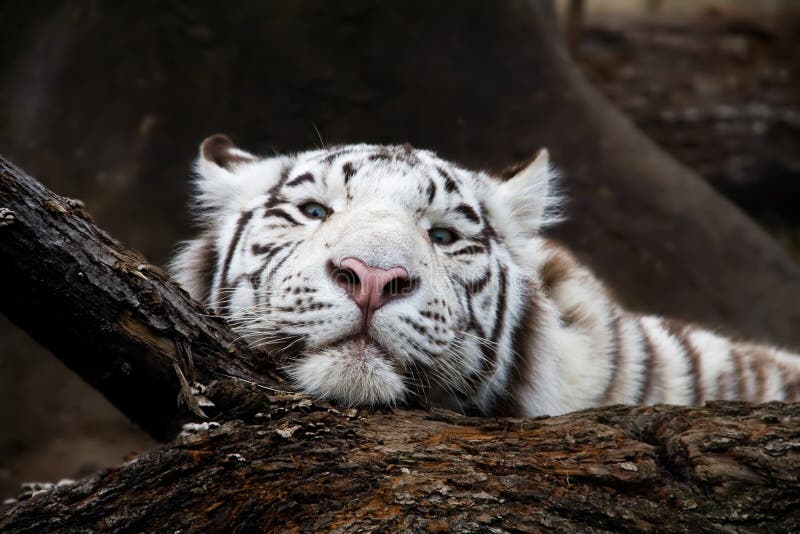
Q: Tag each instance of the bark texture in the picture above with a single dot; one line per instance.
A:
(116, 320)
(273, 460)
(302, 466)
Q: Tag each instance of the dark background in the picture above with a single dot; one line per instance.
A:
(107, 102)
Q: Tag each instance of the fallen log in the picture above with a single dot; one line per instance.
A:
(301, 466)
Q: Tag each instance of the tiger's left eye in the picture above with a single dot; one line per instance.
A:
(314, 210)
(442, 236)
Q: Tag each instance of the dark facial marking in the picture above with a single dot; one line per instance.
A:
(257, 249)
(383, 153)
(469, 213)
(255, 276)
(273, 195)
(477, 285)
(431, 192)
(303, 178)
(277, 212)
(488, 230)
(416, 326)
(449, 184)
(348, 170)
(471, 249)
(328, 159)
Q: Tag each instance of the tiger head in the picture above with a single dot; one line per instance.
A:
(371, 274)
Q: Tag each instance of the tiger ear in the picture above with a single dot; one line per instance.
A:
(218, 160)
(219, 150)
(528, 194)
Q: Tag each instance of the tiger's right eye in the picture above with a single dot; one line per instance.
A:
(442, 236)
(315, 210)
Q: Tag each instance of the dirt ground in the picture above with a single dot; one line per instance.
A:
(718, 90)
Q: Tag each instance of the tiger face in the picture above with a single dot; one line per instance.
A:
(371, 274)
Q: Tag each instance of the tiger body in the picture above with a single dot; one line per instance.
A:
(375, 275)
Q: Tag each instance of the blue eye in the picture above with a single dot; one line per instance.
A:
(314, 210)
(442, 236)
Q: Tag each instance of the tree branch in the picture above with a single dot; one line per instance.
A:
(114, 319)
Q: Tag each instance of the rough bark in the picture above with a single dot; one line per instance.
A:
(273, 460)
(298, 466)
(116, 320)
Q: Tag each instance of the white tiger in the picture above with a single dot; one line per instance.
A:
(375, 275)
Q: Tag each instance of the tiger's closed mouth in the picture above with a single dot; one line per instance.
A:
(359, 346)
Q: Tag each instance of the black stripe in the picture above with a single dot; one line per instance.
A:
(679, 332)
(273, 196)
(286, 257)
(222, 295)
(501, 305)
(649, 364)
(407, 153)
(791, 383)
(615, 359)
(471, 249)
(328, 159)
(757, 362)
(449, 184)
(416, 326)
(348, 170)
(523, 362)
(272, 253)
(490, 349)
(382, 153)
(738, 370)
(431, 191)
(206, 266)
(489, 232)
(469, 213)
(303, 178)
(277, 212)
(473, 323)
(257, 249)
(255, 275)
(477, 285)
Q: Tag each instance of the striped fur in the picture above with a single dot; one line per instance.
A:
(501, 320)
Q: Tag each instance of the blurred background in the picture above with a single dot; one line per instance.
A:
(644, 104)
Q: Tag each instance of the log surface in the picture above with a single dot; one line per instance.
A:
(116, 320)
(302, 466)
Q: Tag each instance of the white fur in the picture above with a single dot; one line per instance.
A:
(277, 289)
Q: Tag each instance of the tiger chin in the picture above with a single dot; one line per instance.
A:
(379, 275)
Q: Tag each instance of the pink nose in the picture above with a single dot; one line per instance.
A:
(372, 287)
